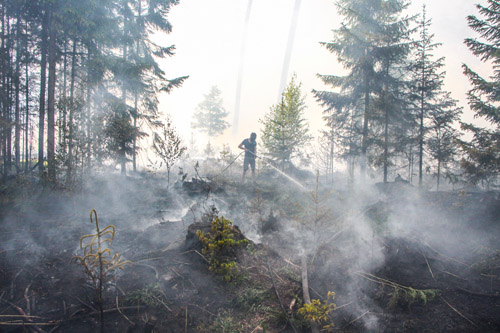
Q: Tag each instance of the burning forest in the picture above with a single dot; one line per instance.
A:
(377, 213)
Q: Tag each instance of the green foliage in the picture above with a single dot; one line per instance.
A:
(151, 295)
(402, 295)
(168, 145)
(371, 44)
(250, 298)
(406, 296)
(317, 311)
(120, 134)
(225, 322)
(489, 261)
(209, 115)
(434, 110)
(218, 245)
(482, 160)
(285, 128)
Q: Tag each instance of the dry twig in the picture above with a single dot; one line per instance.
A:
(355, 319)
(278, 296)
(458, 277)
(428, 266)
(121, 312)
(458, 312)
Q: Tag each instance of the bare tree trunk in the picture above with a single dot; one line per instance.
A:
(136, 99)
(17, 119)
(123, 156)
(43, 70)
(421, 132)
(3, 75)
(62, 115)
(27, 147)
(51, 157)
(71, 112)
(305, 290)
(88, 120)
(6, 112)
(364, 142)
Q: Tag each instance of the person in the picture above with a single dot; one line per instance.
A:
(250, 147)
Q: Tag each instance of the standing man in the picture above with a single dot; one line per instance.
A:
(250, 147)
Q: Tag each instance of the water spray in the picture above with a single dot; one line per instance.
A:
(270, 163)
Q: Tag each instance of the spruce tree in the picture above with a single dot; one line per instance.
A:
(210, 114)
(482, 154)
(369, 44)
(286, 131)
(441, 141)
(426, 85)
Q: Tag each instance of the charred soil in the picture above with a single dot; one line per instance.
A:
(398, 277)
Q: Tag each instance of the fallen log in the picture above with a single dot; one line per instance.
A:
(305, 291)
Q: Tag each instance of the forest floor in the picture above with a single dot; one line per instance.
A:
(398, 259)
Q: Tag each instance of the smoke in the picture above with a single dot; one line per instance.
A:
(344, 233)
(239, 82)
(289, 47)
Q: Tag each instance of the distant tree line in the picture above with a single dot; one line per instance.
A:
(79, 82)
(390, 111)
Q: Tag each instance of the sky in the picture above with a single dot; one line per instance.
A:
(209, 37)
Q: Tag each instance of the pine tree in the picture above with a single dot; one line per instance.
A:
(285, 128)
(210, 114)
(482, 161)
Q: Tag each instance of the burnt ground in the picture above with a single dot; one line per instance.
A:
(431, 266)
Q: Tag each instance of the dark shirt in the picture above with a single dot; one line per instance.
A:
(250, 146)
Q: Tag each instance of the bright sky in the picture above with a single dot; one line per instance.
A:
(208, 36)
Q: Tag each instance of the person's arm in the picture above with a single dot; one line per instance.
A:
(241, 146)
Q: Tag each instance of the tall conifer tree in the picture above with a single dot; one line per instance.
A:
(368, 44)
(482, 160)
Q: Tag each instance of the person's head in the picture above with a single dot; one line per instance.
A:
(253, 136)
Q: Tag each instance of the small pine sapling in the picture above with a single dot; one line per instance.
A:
(317, 311)
(97, 260)
(217, 244)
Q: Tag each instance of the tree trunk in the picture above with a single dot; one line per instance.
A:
(7, 108)
(386, 142)
(62, 115)
(89, 120)
(124, 88)
(43, 69)
(3, 71)
(71, 112)
(51, 156)
(136, 99)
(305, 290)
(17, 119)
(27, 120)
(364, 140)
(421, 133)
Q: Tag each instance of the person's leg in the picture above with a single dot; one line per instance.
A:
(252, 165)
(245, 168)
